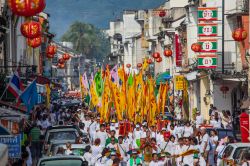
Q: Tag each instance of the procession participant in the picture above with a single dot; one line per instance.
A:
(112, 145)
(178, 150)
(147, 147)
(96, 148)
(160, 136)
(154, 161)
(172, 130)
(112, 158)
(198, 119)
(178, 130)
(87, 120)
(92, 128)
(102, 135)
(188, 130)
(128, 140)
(155, 147)
(144, 131)
(112, 135)
(134, 160)
(153, 131)
(204, 143)
(136, 136)
(102, 158)
(160, 123)
(122, 150)
(112, 124)
(165, 146)
(82, 128)
(189, 158)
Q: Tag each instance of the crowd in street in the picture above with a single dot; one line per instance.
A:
(168, 142)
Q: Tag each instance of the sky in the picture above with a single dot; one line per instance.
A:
(97, 12)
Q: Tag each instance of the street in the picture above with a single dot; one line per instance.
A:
(124, 83)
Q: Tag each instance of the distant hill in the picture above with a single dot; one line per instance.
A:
(97, 12)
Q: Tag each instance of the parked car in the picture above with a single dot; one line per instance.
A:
(64, 133)
(62, 161)
(51, 148)
(243, 156)
(231, 153)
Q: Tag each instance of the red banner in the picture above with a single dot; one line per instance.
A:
(244, 127)
(178, 51)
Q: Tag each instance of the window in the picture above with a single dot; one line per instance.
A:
(62, 162)
(62, 135)
(227, 151)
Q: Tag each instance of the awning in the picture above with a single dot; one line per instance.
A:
(192, 76)
(162, 78)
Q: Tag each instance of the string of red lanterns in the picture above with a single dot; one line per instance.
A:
(239, 34)
(35, 42)
(31, 29)
(168, 53)
(196, 47)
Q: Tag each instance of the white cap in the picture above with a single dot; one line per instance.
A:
(137, 126)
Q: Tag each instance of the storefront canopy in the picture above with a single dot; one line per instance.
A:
(162, 78)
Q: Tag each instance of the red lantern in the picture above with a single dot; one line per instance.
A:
(239, 34)
(60, 65)
(162, 13)
(196, 47)
(168, 53)
(26, 8)
(66, 56)
(224, 90)
(139, 65)
(50, 56)
(51, 50)
(156, 55)
(149, 61)
(31, 29)
(159, 59)
(36, 42)
(128, 65)
(61, 61)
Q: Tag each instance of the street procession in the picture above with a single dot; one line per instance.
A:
(124, 83)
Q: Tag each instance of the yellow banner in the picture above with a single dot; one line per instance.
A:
(179, 82)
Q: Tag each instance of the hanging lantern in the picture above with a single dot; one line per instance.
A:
(156, 55)
(168, 53)
(196, 47)
(139, 65)
(60, 65)
(61, 61)
(162, 13)
(149, 61)
(66, 56)
(31, 29)
(159, 59)
(239, 34)
(224, 90)
(51, 50)
(34, 43)
(128, 65)
(50, 56)
(26, 8)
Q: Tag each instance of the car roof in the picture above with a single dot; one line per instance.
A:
(62, 127)
(240, 144)
(62, 157)
(76, 146)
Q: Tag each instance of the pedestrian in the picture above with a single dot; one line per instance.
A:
(189, 158)
(122, 150)
(102, 135)
(204, 143)
(154, 161)
(113, 156)
(34, 137)
(188, 130)
(27, 145)
(213, 141)
(102, 158)
(199, 120)
(96, 148)
(134, 160)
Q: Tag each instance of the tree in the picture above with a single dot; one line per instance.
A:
(88, 40)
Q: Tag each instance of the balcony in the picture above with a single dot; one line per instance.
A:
(240, 7)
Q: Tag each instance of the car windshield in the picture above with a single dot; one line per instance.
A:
(62, 162)
(238, 152)
(228, 151)
(78, 152)
(62, 135)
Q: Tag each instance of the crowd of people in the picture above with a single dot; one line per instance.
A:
(168, 142)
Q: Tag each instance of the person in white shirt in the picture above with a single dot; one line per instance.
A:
(178, 150)
(112, 145)
(112, 158)
(199, 119)
(144, 131)
(154, 161)
(172, 130)
(102, 135)
(153, 131)
(122, 149)
(136, 136)
(92, 129)
(68, 149)
(188, 159)
(96, 148)
(213, 141)
(88, 155)
(87, 121)
(204, 143)
(178, 130)
(102, 159)
(188, 130)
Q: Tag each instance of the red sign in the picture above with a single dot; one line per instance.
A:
(244, 127)
(178, 51)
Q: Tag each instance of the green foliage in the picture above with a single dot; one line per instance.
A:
(88, 40)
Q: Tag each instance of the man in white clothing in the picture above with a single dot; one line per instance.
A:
(102, 135)
(199, 119)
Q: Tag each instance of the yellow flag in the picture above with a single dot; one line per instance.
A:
(94, 97)
(145, 65)
(48, 92)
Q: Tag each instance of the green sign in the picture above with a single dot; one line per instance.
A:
(207, 14)
(207, 30)
(208, 45)
(207, 61)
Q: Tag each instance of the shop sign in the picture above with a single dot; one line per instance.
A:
(206, 30)
(208, 45)
(207, 14)
(207, 61)
(179, 82)
(14, 145)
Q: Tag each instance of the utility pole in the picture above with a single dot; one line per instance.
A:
(223, 37)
